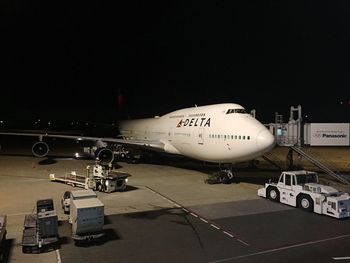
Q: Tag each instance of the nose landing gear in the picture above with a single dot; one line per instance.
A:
(224, 176)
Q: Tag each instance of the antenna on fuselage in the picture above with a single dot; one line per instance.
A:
(195, 105)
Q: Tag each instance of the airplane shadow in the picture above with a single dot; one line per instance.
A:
(130, 188)
(150, 215)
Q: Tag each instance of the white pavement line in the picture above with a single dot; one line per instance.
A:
(227, 233)
(342, 258)
(205, 221)
(58, 256)
(241, 241)
(193, 214)
(164, 197)
(152, 191)
(215, 226)
(280, 249)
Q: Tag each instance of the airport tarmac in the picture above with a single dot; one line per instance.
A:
(169, 214)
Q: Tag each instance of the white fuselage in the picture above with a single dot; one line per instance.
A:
(221, 133)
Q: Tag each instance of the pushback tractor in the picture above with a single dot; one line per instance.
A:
(302, 189)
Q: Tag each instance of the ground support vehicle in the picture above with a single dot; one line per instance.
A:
(301, 189)
(40, 231)
(65, 202)
(120, 153)
(97, 178)
(224, 176)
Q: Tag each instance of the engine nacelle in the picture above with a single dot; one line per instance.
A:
(40, 149)
(104, 155)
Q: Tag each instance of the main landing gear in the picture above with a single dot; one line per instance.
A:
(224, 176)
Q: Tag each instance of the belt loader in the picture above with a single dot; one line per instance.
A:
(97, 178)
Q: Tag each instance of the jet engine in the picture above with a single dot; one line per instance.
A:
(103, 154)
(40, 149)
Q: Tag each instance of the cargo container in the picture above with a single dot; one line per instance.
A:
(44, 205)
(47, 224)
(86, 215)
(82, 194)
(40, 230)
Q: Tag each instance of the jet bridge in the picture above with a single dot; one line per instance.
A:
(288, 134)
(291, 135)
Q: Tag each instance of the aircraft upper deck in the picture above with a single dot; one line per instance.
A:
(224, 108)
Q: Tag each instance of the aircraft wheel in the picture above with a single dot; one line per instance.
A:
(226, 179)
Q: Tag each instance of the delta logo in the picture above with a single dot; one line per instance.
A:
(194, 122)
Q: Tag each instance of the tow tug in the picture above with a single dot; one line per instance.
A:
(302, 189)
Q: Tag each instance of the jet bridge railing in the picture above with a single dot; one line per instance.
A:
(318, 164)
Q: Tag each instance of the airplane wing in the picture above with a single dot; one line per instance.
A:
(156, 145)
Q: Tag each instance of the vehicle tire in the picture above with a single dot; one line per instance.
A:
(306, 203)
(273, 194)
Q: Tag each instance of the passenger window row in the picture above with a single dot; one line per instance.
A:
(229, 137)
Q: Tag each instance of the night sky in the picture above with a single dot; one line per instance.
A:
(67, 60)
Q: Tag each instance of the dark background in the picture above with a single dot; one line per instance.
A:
(70, 61)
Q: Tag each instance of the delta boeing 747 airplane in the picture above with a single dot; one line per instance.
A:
(219, 133)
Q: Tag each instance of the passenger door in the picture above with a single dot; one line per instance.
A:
(201, 136)
(287, 192)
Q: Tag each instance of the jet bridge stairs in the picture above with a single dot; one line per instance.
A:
(276, 161)
(318, 164)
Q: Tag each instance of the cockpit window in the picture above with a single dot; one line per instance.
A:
(306, 178)
(241, 111)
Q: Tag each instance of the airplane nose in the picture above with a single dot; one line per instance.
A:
(265, 140)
